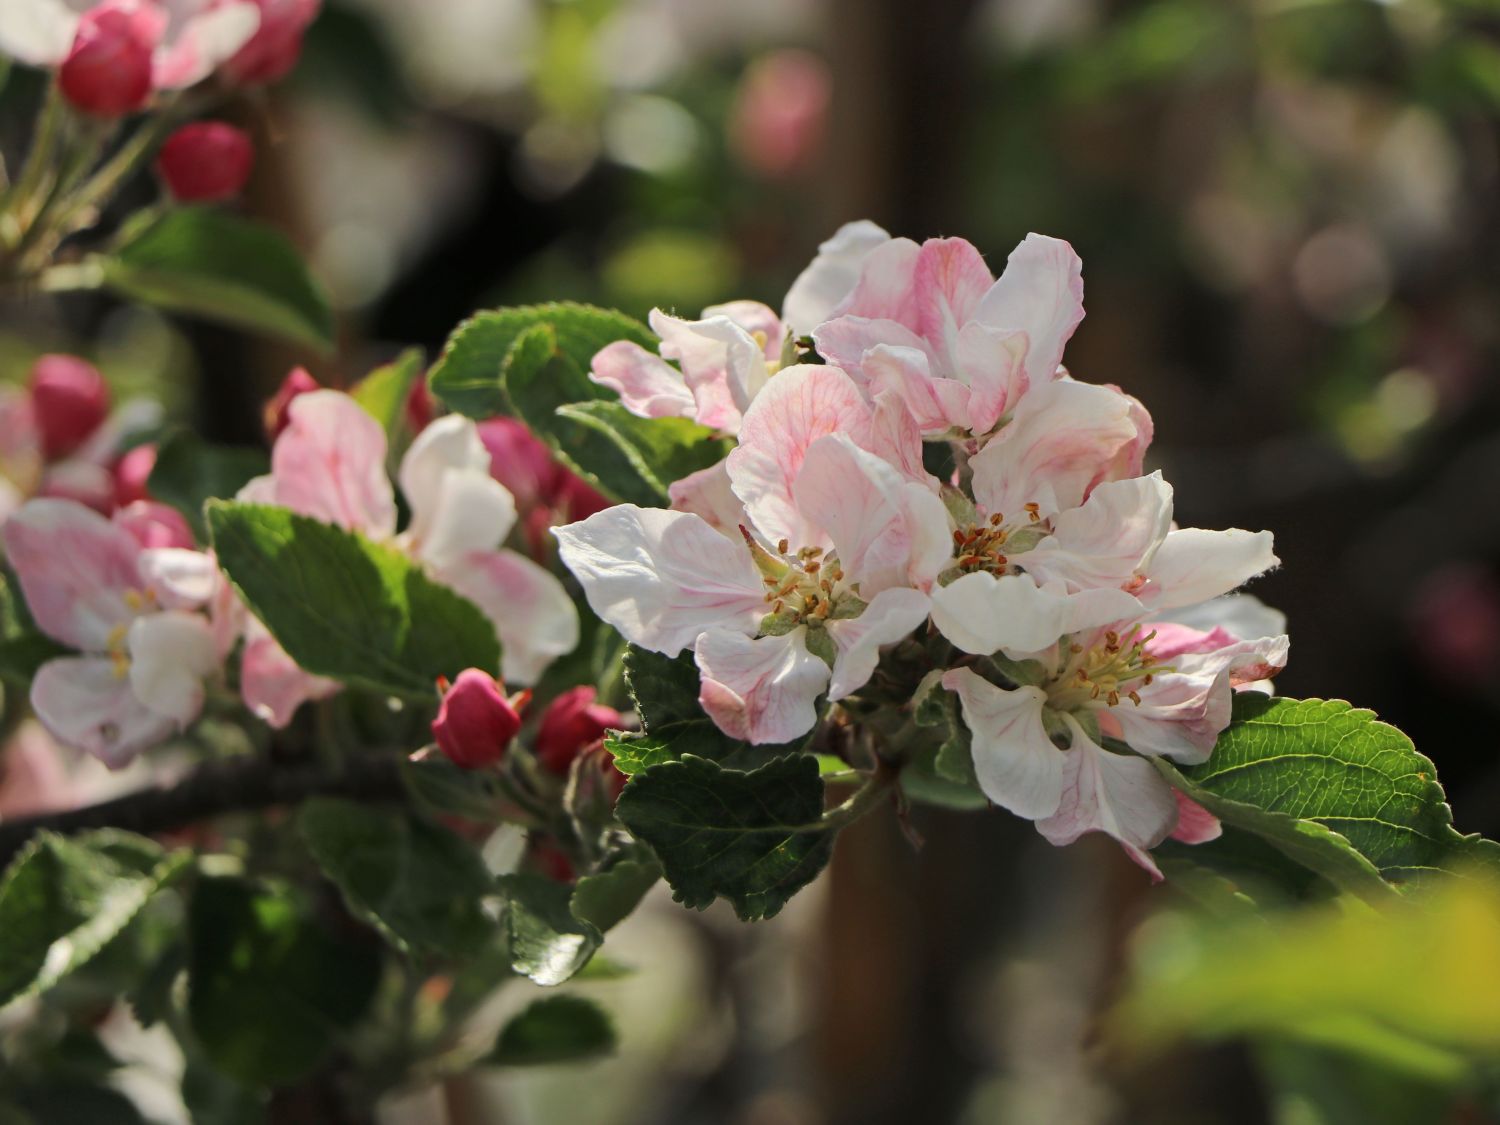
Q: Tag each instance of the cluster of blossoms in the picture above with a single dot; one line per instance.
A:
(1081, 631)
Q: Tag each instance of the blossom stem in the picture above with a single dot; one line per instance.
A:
(875, 791)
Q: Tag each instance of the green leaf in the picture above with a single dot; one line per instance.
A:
(344, 607)
(419, 884)
(209, 263)
(269, 992)
(752, 837)
(189, 472)
(660, 450)
(467, 377)
(22, 656)
(606, 899)
(62, 900)
(555, 1029)
(665, 692)
(444, 789)
(1332, 788)
(384, 392)
(941, 772)
(548, 943)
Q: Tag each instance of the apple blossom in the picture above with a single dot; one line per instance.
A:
(1039, 745)
(183, 41)
(839, 549)
(933, 325)
(329, 463)
(725, 358)
(126, 593)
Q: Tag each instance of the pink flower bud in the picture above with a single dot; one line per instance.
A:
(273, 50)
(132, 471)
(206, 161)
(108, 70)
(518, 459)
(476, 722)
(420, 408)
(572, 723)
(71, 401)
(277, 414)
(155, 525)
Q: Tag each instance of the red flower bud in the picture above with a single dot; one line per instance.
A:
(70, 400)
(476, 721)
(132, 471)
(571, 724)
(108, 70)
(273, 50)
(420, 408)
(278, 409)
(206, 161)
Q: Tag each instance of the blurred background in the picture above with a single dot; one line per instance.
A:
(1289, 216)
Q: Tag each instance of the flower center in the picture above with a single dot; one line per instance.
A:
(990, 546)
(1107, 673)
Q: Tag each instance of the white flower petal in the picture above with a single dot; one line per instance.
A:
(890, 617)
(830, 277)
(85, 703)
(1017, 765)
(983, 614)
(765, 689)
(170, 654)
(1193, 565)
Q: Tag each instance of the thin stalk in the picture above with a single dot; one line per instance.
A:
(38, 160)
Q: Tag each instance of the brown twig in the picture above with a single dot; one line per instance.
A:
(243, 785)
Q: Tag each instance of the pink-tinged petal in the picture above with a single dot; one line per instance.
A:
(1183, 710)
(948, 282)
(709, 495)
(530, 609)
(1117, 794)
(329, 464)
(170, 654)
(1061, 438)
(1171, 641)
(32, 778)
(982, 614)
(887, 285)
(83, 482)
(760, 321)
(1041, 294)
(885, 529)
(721, 363)
(38, 32)
(227, 617)
(890, 617)
(1193, 565)
(155, 525)
(201, 43)
(84, 703)
(520, 460)
(896, 439)
(661, 578)
(177, 578)
(844, 342)
(271, 683)
(1195, 824)
(75, 568)
(258, 490)
(1241, 615)
(763, 690)
(474, 512)
(1107, 540)
(830, 277)
(799, 406)
(936, 404)
(648, 385)
(993, 363)
(1015, 762)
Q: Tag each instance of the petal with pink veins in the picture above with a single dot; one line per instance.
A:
(272, 685)
(709, 495)
(763, 690)
(936, 404)
(1194, 565)
(329, 464)
(76, 569)
(830, 277)
(85, 703)
(1041, 293)
(722, 365)
(847, 340)
(530, 609)
(170, 654)
(1107, 540)
(886, 286)
(993, 363)
(949, 280)
(890, 617)
(982, 614)
(1062, 436)
(799, 406)
(1195, 824)
(648, 385)
(661, 577)
(1117, 794)
(1015, 762)
(759, 320)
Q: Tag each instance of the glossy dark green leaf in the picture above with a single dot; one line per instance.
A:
(555, 1029)
(548, 943)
